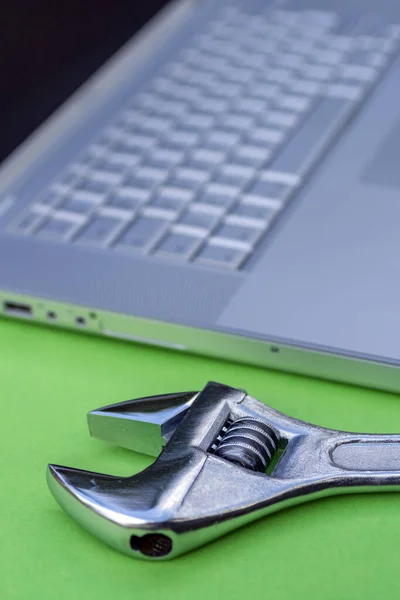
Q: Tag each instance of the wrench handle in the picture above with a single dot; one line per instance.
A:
(368, 453)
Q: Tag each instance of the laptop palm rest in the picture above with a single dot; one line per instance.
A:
(330, 275)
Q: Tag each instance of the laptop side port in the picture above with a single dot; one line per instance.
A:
(17, 309)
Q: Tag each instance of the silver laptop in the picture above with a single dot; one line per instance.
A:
(229, 184)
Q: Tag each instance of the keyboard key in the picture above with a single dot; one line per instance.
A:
(285, 17)
(154, 212)
(289, 60)
(274, 31)
(181, 139)
(101, 231)
(251, 106)
(358, 73)
(196, 58)
(166, 107)
(125, 202)
(319, 72)
(244, 221)
(275, 190)
(295, 103)
(239, 234)
(306, 87)
(90, 154)
(27, 222)
(237, 75)
(106, 139)
(190, 179)
(234, 175)
(77, 168)
(48, 200)
(198, 219)
(181, 91)
(259, 47)
(282, 119)
(328, 57)
(315, 33)
(220, 256)
(123, 148)
(143, 234)
(179, 246)
(106, 176)
(364, 58)
(133, 117)
(220, 49)
(267, 136)
(58, 228)
(313, 136)
(218, 197)
(121, 214)
(322, 18)
(252, 60)
(276, 75)
(73, 205)
(198, 120)
(135, 141)
(251, 156)
(92, 189)
(222, 139)
(67, 181)
(237, 121)
(212, 105)
(347, 92)
(205, 159)
(145, 177)
(115, 163)
(167, 199)
(227, 90)
(203, 79)
(164, 158)
(136, 193)
(178, 70)
(264, 90)
(340, 42)
(253, 211)
(154, 125)
(303, 46)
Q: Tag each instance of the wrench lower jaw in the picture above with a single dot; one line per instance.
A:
(147, 541)
(122, 512)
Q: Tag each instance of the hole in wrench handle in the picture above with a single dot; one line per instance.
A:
(382, 456)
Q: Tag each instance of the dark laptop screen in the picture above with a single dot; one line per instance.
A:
(48, 49)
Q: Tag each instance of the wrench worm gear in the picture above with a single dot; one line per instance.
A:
(223, 459)
(249, 443)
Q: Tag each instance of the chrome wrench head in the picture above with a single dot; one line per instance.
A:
(217, 470)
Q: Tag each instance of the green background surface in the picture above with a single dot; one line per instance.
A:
(339, 548)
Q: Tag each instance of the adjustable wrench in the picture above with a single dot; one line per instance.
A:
(224, 459)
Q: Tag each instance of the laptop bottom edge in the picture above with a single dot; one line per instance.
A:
(321, 364)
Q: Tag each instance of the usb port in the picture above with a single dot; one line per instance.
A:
(17, 309)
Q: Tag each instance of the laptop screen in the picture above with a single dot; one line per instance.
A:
(48, 49)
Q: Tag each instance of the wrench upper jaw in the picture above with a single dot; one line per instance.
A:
(143, 424)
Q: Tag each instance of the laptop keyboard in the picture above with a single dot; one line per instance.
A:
(197, 166)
